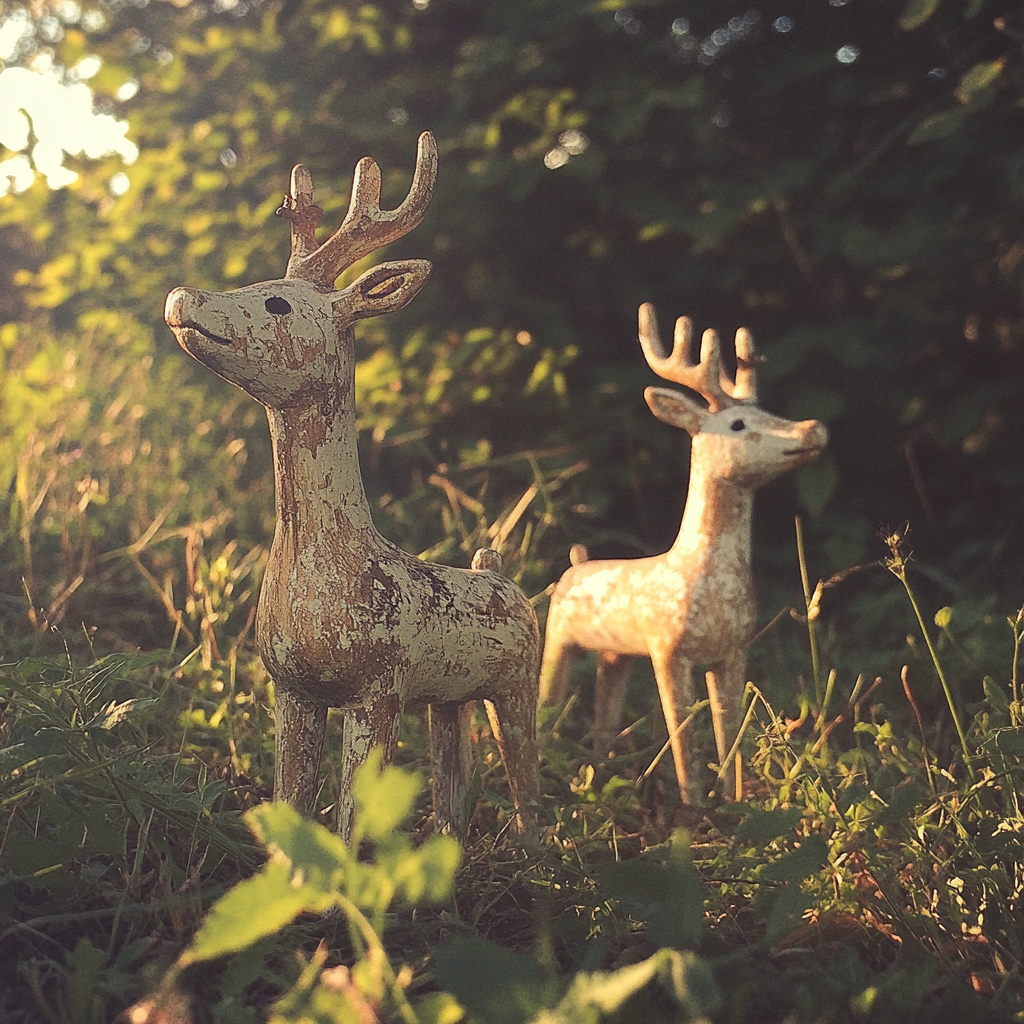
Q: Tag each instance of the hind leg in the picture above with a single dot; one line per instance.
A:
(609, 697)
(451, 761)
(725, 683)
(513, 719)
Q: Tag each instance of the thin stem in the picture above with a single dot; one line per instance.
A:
(375, 949)
(1018, 635)
(897, 565)
(811, 610)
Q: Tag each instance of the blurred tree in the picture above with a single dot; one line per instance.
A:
(847, 180)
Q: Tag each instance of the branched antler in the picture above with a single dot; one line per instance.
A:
(707, 377)
(366, 226)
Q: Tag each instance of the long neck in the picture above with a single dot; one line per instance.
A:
(717, 519)
(316, 471)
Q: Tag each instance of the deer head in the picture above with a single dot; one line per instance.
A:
(744, 444)
(289, 341)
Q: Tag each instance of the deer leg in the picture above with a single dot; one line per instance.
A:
(513, 719)
(362, 730)
(451, 761)
(556, 666)
(674, 677)
(299, 727)
(609, 697)
(725, 682)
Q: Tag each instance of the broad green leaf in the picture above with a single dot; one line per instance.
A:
(494, 984)
(383, 799)
(764, 826)
(916, 13)
(661, 889)
(316, 857)
(252, 910)
(996, 694)
(439, 1008)
(939, 126)
(979, 77)
(800, 863)
(19, 756)
(788, 908)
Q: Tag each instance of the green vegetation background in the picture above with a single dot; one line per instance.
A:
(845, 179)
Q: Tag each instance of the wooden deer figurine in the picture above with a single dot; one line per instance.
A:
(694, 604)
(345, 618)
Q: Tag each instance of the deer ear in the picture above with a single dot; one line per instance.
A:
(676, 409)
(381, 290)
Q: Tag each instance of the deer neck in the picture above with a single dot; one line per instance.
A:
(319, 489)
(717, 520)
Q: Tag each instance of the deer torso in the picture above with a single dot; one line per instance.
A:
(696, 600)
(342, 609)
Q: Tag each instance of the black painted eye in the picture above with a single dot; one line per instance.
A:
(277, 306)
(737, 425)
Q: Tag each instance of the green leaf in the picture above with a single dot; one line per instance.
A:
(19, 756)
(939, 126)
(1009, 741)
(316, 857)
(662, 889)
(996, 695)
(494, 984)
(800, 863)
(787, 910)
(764, 826)
(383, 799)
(916, 13)
(114, 714)
(439, 1008)
(252, 910)
(979, 77)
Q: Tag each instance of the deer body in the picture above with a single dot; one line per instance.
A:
(346, 618)
(694, 604)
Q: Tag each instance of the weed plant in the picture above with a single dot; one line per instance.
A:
(873, 870)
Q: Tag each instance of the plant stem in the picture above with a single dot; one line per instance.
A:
(897, 565)
(812, 625)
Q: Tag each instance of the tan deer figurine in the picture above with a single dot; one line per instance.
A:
(345, 618)
(695, 603)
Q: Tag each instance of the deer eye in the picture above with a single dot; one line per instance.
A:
(277, 306)
(737, 425)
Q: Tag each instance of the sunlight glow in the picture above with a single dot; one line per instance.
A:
(57, 109)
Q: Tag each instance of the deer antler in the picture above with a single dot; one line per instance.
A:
(707, 377)
(366, 226)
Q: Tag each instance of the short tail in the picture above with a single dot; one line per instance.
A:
(578, 554)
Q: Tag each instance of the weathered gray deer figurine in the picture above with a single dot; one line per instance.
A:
(345, 618)
(695, 603)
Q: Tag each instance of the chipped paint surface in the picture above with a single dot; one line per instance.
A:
(694, 604)
(345, 618)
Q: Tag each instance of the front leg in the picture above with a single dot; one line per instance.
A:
(513, 719)
(674, 677)
(451, 763)
(725, 681)
(299, 727)
(362, 730)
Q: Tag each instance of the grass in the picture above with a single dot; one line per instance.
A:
(873, 871)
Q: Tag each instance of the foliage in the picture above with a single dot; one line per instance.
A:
(846, 179)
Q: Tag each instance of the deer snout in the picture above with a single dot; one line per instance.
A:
(175, 307)
(813, 437)
(817, 435)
